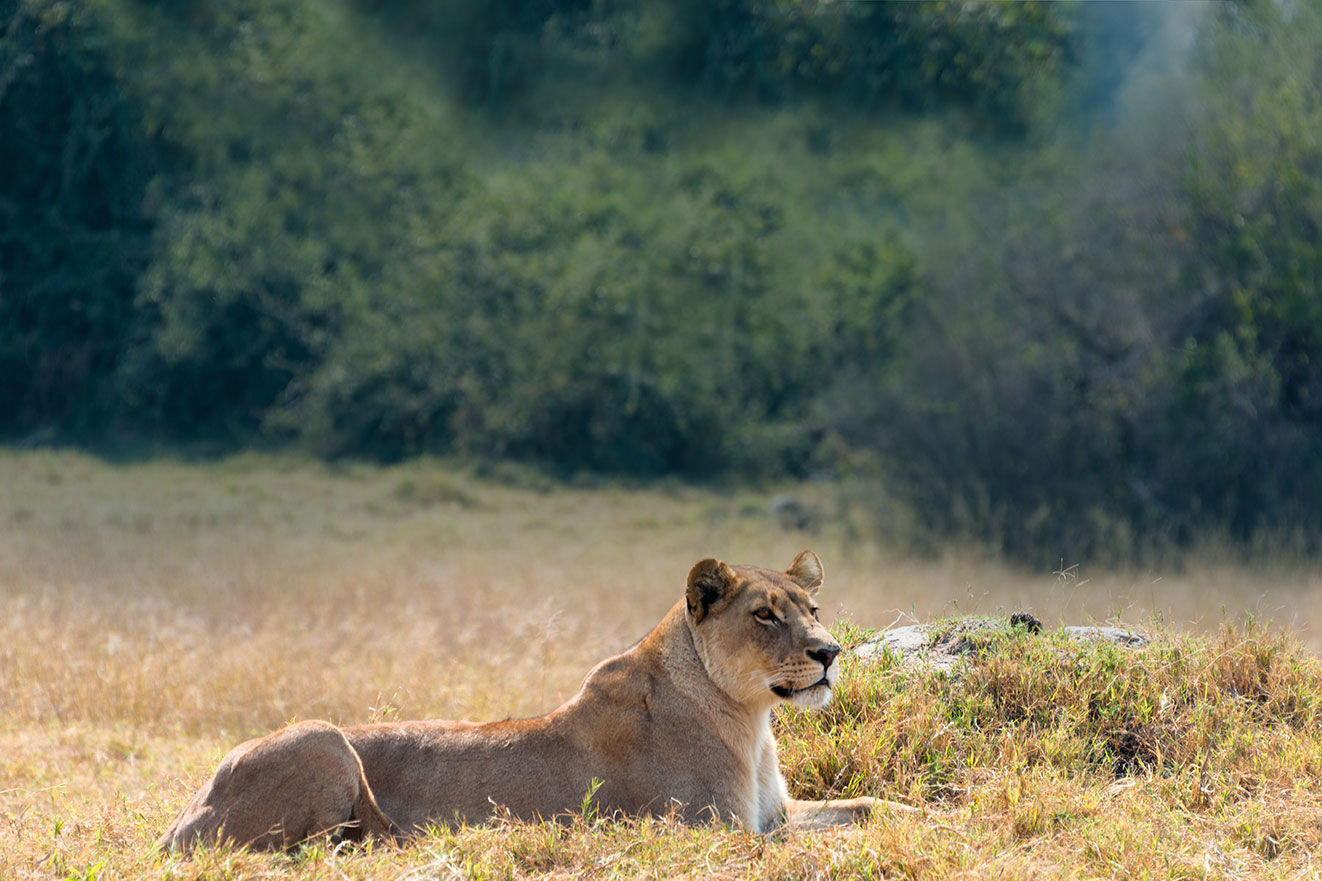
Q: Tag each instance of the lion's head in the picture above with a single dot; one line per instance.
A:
(757, 631)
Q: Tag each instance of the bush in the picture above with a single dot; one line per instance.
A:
(577, 318)
(999, 60)
(1119, 351)
(298, 191)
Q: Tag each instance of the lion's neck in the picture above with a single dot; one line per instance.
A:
(739, 725)
(744, 730)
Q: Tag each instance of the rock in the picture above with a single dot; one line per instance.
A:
(942, 646)
(795, 514)
(1027, 621)
(1127, 638)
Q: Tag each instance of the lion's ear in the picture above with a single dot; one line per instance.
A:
(806, 571)
(709, 581)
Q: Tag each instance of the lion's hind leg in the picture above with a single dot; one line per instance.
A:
(367, 819)
(275, 791)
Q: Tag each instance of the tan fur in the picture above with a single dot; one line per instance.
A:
(681, 721)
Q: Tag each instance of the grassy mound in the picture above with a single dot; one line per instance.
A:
(1231, 715)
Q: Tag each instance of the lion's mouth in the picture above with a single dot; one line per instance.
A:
(785, 692)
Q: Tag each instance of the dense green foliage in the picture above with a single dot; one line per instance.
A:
(74, 229)
(1056, 304)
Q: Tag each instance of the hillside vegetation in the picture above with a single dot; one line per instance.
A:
(158, 614)
(1047, 272)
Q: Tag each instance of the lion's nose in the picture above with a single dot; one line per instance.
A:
(824, 655)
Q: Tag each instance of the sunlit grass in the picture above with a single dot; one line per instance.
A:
(156, 614)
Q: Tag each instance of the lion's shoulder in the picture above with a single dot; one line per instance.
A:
(626, 680)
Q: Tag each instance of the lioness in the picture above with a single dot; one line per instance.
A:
(679, 722)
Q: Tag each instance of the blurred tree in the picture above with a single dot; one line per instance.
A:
(1250, 365)
(1000, 60)
(734, 237)
(299, 186)
(77, 206)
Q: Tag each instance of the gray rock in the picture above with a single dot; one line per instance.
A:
(796, 514)
(1131, 639)
(942, 646)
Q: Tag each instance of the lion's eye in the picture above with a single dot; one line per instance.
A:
(814, 613)
(765, 614)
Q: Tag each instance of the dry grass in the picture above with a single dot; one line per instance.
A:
(157, 614)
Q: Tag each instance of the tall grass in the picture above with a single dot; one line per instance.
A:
(155, 614)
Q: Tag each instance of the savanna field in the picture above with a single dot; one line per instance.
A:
(998, 307)
(157, 614)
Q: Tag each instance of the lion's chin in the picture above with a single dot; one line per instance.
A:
(814, 697)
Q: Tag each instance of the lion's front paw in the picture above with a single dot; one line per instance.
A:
(839, 812)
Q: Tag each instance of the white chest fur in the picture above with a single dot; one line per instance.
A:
(769, 794)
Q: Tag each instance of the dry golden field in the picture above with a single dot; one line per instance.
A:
(156, 614)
